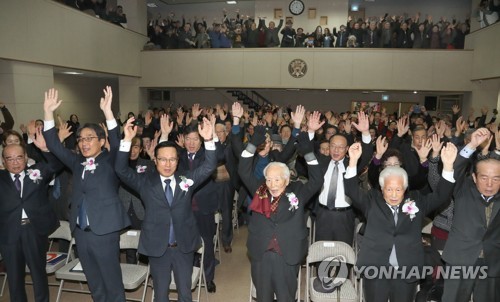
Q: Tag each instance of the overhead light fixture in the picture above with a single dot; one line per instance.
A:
(415, 92)
(72, 72)
(354, 7)
(231, 2)
(151, 4)
(326, 89)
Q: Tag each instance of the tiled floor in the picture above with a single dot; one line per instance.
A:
(232, 279)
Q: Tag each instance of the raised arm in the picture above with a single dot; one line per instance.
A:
(124, 172)
(245, 168)
(200, 174)
(351, 183)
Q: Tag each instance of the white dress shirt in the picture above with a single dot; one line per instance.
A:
(341, 200)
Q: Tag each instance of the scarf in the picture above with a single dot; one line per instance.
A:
(261, 202)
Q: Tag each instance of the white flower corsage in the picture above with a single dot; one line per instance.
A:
(294, 201)
(185, 183)
(35, 175)
(141, 169)
(410, 208)
(90, 165)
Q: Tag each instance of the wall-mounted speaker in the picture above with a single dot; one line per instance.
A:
(431, 103)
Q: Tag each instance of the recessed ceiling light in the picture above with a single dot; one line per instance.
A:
(150, 4)
(415, 92)
(72, 72)
(231, 2)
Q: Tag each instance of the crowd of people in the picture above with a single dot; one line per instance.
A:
(101, 9)
(175, 167)
(243, 31)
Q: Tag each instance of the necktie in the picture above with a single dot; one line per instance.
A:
(332, 191)
(170, 197)
(17, 182)
(393, 260)
(82, 216)
(274, 204)
(190, 157)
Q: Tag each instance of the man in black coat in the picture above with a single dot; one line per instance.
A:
(97, 213)
(277, 233)
(26, 220)
(475, 234)
(394, 218)
(169, 234)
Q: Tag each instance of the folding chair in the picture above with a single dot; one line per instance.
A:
(197, 278)
(133, 275)
(218, 219)
(310, 226)
(326, 250)
(4, 279)
(253, 291)
(56, 260)
(236, 225)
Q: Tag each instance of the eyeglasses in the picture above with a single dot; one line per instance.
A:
(335, 147)
(12, 160)
(163, 160)
(87, 139)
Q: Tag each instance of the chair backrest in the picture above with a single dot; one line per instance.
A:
(320, 250)
(130, 239)
(62, 232)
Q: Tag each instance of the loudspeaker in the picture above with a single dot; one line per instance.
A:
(431, 103)
(159, 95)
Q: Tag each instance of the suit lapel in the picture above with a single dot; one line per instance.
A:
(157, 188)
(177, 191)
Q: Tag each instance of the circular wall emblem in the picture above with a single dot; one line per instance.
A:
(297, 68)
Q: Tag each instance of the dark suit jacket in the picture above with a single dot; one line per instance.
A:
(288, 225)
(105, 211)
(381, 233)
(469, 233)
(154, 234)
(34, 201)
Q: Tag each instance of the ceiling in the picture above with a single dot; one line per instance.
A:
(174, 2)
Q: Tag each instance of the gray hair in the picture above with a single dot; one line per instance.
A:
(284, 168)
(393, 171)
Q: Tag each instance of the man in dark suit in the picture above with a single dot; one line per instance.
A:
(205, 198)
(169, 232)
(475, 234)
(131, 200)
(97, 214)
(392, 238)
(335, 217)
(277, 233)
(26, 220)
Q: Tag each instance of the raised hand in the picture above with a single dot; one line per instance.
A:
(206, 130)
(423, 152)
(355, 152)
(436, 145)
(237, 110)
(51, 103)
(180, 116)
(448, 156)
(39, 140)
(166, 125)
(478, 137)
(314, 122)
(440, 128)
(455, 109)
(381, 146)
(403, 126)
(298, 116)
(129, 130)
(189, 118)
(348, 126)
(180, 140)
(64, 131)
(154, 142)
(363, 123)
(105, 103)
(460, 126)
(196, 111)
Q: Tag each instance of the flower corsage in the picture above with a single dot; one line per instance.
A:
(294, 201)
(35, 175)
(410, 208)
(185, 183)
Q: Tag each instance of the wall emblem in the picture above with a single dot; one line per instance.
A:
(297, 68)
